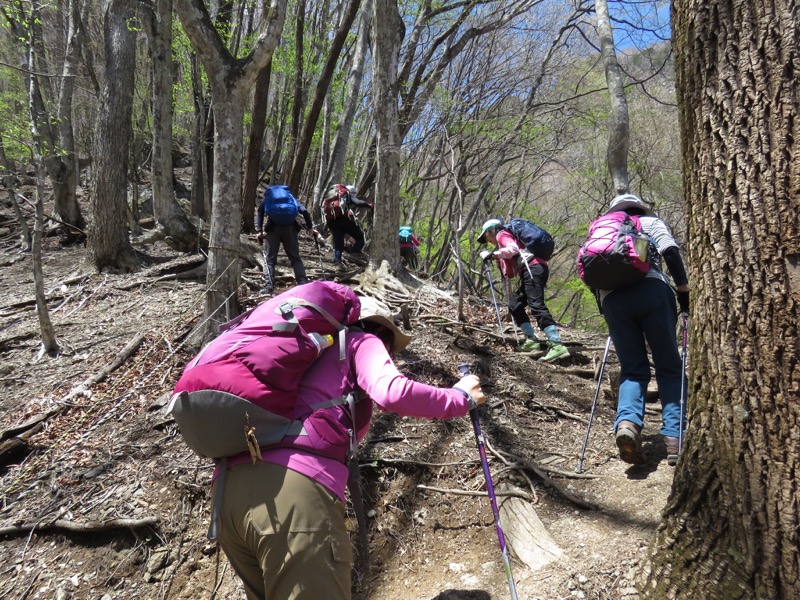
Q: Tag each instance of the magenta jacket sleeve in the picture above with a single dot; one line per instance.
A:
(393, 392)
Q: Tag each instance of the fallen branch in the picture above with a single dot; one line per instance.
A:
(86, 527)
(512, 492)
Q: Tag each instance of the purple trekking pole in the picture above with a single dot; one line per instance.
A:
(464, 369)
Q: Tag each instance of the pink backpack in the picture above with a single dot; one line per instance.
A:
(615, 254)
(248, 376)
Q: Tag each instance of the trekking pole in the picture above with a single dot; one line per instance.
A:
(319, 254)
(594, 405)
(494, 298)
(683, 380)
(464, 369)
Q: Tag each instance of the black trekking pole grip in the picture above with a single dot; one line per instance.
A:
(464, 369)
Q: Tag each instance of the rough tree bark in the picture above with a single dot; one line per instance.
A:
(170, 219)
(109, 245)
(230, 80)
(730, 529)
(387, 31)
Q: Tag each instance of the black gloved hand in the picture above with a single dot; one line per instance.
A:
(683, 302)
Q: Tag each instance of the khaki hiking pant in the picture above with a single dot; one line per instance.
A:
(284, 535)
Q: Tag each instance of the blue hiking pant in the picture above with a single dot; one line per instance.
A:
(645, 314)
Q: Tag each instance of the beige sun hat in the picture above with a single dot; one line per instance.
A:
(626, 201)
(377, 312)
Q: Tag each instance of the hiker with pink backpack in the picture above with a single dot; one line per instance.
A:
(622, 262)
(280, 400)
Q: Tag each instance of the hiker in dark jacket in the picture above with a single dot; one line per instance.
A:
(342, 225)
(641, 315)
(533, 273)
(273, 235)
(282, 522)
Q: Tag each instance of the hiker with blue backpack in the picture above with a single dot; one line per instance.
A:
(518, 256)
(280, 400)
(281, 210)
(622, 262)
(409, 246)
(337, 208)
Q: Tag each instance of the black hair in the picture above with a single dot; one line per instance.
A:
(381, 332)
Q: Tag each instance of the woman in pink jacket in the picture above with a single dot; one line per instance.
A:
(282, 519)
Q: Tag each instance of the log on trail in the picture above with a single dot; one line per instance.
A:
(526, 536)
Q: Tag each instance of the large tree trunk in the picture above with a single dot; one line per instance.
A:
(170, 218)
(730, 529)
(388, 30)
(109, 245)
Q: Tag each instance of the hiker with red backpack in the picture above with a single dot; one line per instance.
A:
(281, 399)
(337, 208)
(514, 257)
(281, 209)
(621, 260)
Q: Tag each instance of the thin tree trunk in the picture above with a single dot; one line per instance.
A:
(255, 143)
(323, 85)
(618, 131)
(49, 343)
(352, 96)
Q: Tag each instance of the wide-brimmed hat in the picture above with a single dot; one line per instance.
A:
(486, 227)
(377, 312)
(626, 201)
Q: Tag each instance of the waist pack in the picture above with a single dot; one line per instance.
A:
(615, 254)
(535, 239)
(280, 205)
(336, 201)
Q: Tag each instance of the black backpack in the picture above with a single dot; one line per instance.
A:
(535, 239)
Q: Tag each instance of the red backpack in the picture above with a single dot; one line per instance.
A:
(335, 204)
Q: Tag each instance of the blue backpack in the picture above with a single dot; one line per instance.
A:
(535, 239)
(405, 234)
(280, 205)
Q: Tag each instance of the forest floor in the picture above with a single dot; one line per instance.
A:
(101, 499)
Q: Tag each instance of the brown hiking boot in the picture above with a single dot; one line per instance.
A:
(629, 442)
(673, 449)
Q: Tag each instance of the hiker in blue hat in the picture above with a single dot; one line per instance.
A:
(514, 259)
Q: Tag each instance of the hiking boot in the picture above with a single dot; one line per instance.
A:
(556, 351)
(265, 292)
(529, 345)
(673, 450)
(629, 442)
